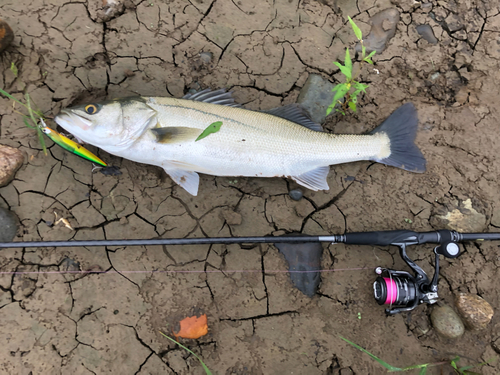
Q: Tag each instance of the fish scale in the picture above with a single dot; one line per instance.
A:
(283, 142)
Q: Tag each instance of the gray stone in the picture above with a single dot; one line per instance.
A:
(206, 57)
(296, 194)
(474, 310)
(426, 32)
(446, 322)
(316, 96)
(8, 223)
(384, 26)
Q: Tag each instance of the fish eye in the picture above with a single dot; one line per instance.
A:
(91, 109)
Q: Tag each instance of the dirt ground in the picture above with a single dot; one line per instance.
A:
(55, 320)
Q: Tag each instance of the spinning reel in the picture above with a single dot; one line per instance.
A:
(406, 291)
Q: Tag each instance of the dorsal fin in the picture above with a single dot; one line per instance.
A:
(297, 114)
(214, 97)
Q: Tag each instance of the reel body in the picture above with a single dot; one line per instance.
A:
(403, 291)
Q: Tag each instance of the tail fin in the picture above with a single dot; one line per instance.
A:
(401, 128)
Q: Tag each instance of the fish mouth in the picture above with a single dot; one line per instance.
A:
(69, 120)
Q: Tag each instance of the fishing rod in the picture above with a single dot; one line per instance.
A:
(401, 290)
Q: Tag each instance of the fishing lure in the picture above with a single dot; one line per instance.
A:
(69, 145)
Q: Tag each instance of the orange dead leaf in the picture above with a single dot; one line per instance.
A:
(192, 327)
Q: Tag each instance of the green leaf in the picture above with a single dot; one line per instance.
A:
(344, 69)
(339, 94)
(13, 69)
(329, 109)
(368, 58)
(385, 364)
(207, 371)
(423, 371)
(357, 30)
(363, 51)
(352, 105)
(348, 61)
(5, 93)
(26, 122)
(212, 128)
(337, 86)
(371, 54)
(360, 86)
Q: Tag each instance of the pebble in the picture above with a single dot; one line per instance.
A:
(206, 57)
(231, 217)
(316, 96)
(296, 194)
(474, 310)
(8, 223)
(6, 35)
(446, 322)
(384, 26)
(426, 32)
(11, 160)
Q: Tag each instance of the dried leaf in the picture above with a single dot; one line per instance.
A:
(192, 327)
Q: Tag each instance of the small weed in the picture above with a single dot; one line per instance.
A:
(351, 88)
(207, 371)
(30, 117)
(423, 367)
(13, 69)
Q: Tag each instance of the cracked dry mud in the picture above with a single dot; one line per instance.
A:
(62, 323)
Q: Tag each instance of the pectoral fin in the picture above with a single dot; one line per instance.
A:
(188, 180)
(173, 134)
(315, 179)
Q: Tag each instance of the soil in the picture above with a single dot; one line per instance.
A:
(57, 320)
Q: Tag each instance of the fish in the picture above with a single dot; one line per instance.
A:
(281, 142)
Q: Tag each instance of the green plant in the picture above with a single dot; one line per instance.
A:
(422, 367)
(207, 371)
(30, 116)
(351, 88)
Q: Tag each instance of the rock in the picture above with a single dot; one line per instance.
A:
(296, 194)
(206, 57)
(426, 32)
(10, 161)
(461, 216)
(474, 310)
(105, 10)
(6, 35)
(316, 96)
(8, 223)
(495, 217)
(384, 26)
(231, 217)
(446, 322)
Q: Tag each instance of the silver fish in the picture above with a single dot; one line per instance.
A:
(280, 142)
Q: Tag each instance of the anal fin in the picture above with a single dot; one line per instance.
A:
(315, 179)
(188, 180)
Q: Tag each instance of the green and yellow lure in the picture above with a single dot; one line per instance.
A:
(69, 145)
